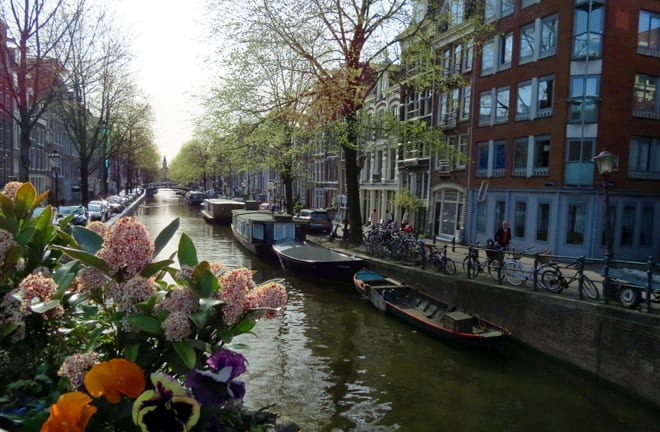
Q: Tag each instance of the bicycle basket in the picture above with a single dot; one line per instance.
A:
(495, 254)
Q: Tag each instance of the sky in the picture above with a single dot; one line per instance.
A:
(169, 63)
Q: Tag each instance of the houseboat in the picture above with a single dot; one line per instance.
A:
(218, 210)
(258, 231)
(194, 197)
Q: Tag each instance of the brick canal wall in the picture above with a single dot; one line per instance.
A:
(618, 345)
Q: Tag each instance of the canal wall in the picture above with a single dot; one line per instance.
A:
(618, 345)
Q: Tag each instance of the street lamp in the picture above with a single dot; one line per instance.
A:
(55, 158)
(607, 163)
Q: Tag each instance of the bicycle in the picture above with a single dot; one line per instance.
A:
(472, 266)
(516, 272)
(553, 279)
(440, 261)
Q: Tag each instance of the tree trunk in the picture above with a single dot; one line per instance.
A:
(353, 184)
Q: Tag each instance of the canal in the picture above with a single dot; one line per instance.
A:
(333, 363)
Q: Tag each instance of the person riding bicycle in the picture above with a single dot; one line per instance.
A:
(503, 235)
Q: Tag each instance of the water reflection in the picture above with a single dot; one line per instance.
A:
(331, 362)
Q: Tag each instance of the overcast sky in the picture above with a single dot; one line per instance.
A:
(169, 52)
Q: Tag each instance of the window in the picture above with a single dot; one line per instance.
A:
(520, 153)
(485, 108)
(502, 107)
(523, 107)
(505, 51)
(627, 225)
(482, 162)
(542, 222)
(646, 227)
(490, 10)
(576, 223)
(548, 42)
(648, 36)
(500, 158)
(545, 91)
(462, 150)
(531, 156)
(506, 7)
(491, 159)
(466, 93)
(488, 58)
(646, 101)
(495, 9)
(457, 10)
(481, 218)
(579, 169)
(500, 214)
(533, 48)
(526, 3)
(468, 57)
(644, 158)
(541, 155)
(588, 30)
(527, 43)
(457, 58)
(584, 99)
(519, 219)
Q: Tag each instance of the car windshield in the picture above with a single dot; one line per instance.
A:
(94, 207)
(70, 210)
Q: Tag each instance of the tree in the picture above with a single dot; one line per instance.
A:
(33, 67)
(99, 83)
(338, 41)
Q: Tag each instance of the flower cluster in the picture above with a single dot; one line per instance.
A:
(109, 325)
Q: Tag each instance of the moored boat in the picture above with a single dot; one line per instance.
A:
(258, 231)
(427, 313)
(218, 210)
(313, 260)
(194, 197)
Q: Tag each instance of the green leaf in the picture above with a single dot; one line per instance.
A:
(84, 257)
(187, 253)
(201, 318)
(44, 306)
(64, 275)
(165, 236)
(131, 351)
(209, 303)
(145, 323)
(186, 353)
(154, 267)
(88, 240)
(7, 329)
(25, 235)
(25, 196)
(205, 283)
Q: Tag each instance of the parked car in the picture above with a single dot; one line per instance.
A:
(78, 211)
(98, 210)
(317, 220)
(116, 204)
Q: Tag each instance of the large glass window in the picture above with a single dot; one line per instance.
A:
(644, 158)
(520, 156)
(490, 10)
(576, 220)
(588, 30)
(520, 218)
(541, 154)
(481, 217)
(646, 227)
(500, 156)
(483, 157)
(545, 92)
(584, 99)
(502, 107)
(463, 144)
(468, 57)
(646, 101)
(466, 94)
(527, 43)
(580, 150)
(542, 222)
(523, 107)
(549, 27)
(505, 51)
(487, 58)
(485, 108)
(648, 36)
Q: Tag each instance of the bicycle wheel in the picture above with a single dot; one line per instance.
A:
(470, 267)
(513, 273)
(552, 280)
(493, 269)
(589, 288)
(450, 266)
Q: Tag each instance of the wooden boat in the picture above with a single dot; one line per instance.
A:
(314, 260)
(258, 231)
(427, 313)
(218, 210)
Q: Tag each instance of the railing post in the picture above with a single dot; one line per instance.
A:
(535, 272)
(649, 283)
(453, 244)
(581, 279)
(606, 276)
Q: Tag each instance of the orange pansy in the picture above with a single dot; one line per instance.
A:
(71, 413)
(114, 378)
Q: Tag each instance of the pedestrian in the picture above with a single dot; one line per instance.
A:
(503, 235)
(388, 218)
(373, 218)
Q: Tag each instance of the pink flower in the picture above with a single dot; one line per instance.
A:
(6, 243)
(91, 280)
(179, 299)
(98, 227)
(10, 313)
(37, 288)
(177, 326)
(234, 287)
(127, 295)
(126, 247)
(75, 366)
(271, 295)
(11, 188)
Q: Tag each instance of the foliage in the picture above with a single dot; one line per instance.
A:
(107, 336)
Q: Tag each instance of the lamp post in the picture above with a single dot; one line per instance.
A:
(55, 158)
(607, 163)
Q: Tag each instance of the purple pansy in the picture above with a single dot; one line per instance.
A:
(217, 386)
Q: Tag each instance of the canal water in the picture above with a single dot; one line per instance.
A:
(333, 363)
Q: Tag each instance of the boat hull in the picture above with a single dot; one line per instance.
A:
(429, 314)
(312, 260)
